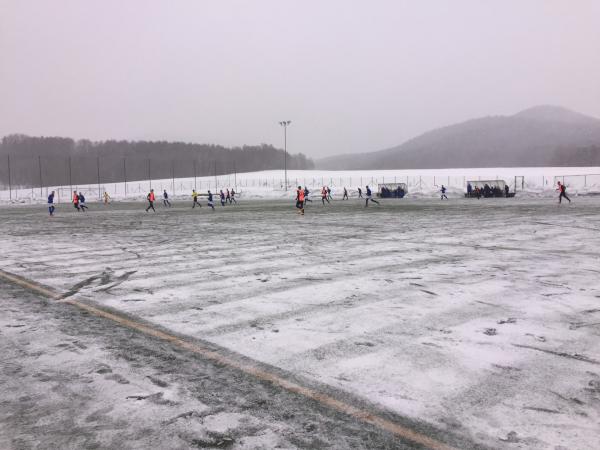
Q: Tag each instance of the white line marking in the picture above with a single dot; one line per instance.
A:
(260, 373)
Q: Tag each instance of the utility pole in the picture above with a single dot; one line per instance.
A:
(285, 124)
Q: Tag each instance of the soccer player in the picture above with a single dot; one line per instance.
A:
(210, 200)
(82, 202)
(51, 203)
(300, 200)
(324, 195)
(360, 193)
(150, 197)
(368, 196)
(195, 199)
(443, 191)
(106, 197)
(76, 200)
(228, 197)
(166, 201)
(329, 193)
(233, 197)
(563, 192)
(222, 197)
(306, 192)
(345, 197)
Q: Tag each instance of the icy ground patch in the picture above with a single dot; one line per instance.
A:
(480, 317)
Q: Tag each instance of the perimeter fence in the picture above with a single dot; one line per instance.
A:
(32, 178)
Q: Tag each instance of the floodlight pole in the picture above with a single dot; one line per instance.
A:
(285, 124)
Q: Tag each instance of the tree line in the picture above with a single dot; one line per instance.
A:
(55, 161)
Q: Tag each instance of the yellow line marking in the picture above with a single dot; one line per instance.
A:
(262, 374)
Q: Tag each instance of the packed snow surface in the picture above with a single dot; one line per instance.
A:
(478, 316)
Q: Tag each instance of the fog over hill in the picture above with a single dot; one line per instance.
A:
(539, 136)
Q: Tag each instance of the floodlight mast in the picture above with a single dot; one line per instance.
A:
(285, 124)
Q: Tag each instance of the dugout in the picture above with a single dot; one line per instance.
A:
(488, 188)
(392, 190)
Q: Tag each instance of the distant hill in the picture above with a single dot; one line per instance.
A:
(539, 136)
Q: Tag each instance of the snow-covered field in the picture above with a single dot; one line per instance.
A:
(270, 184)
(479, 317)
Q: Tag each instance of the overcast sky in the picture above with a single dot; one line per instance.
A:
(351, 76)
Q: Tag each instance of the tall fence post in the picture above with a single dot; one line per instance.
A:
(194, 174)
(173, 174)
(125, 174)
(215, 163)
(98, 167)
(9, 180)
(40, 166)
(70, 178)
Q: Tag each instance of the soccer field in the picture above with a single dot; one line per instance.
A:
(477, 317)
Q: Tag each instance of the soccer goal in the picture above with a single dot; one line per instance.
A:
(519, 183)
(91, 193)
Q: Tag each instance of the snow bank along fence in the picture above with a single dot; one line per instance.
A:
(31, 179)
(424, 185)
